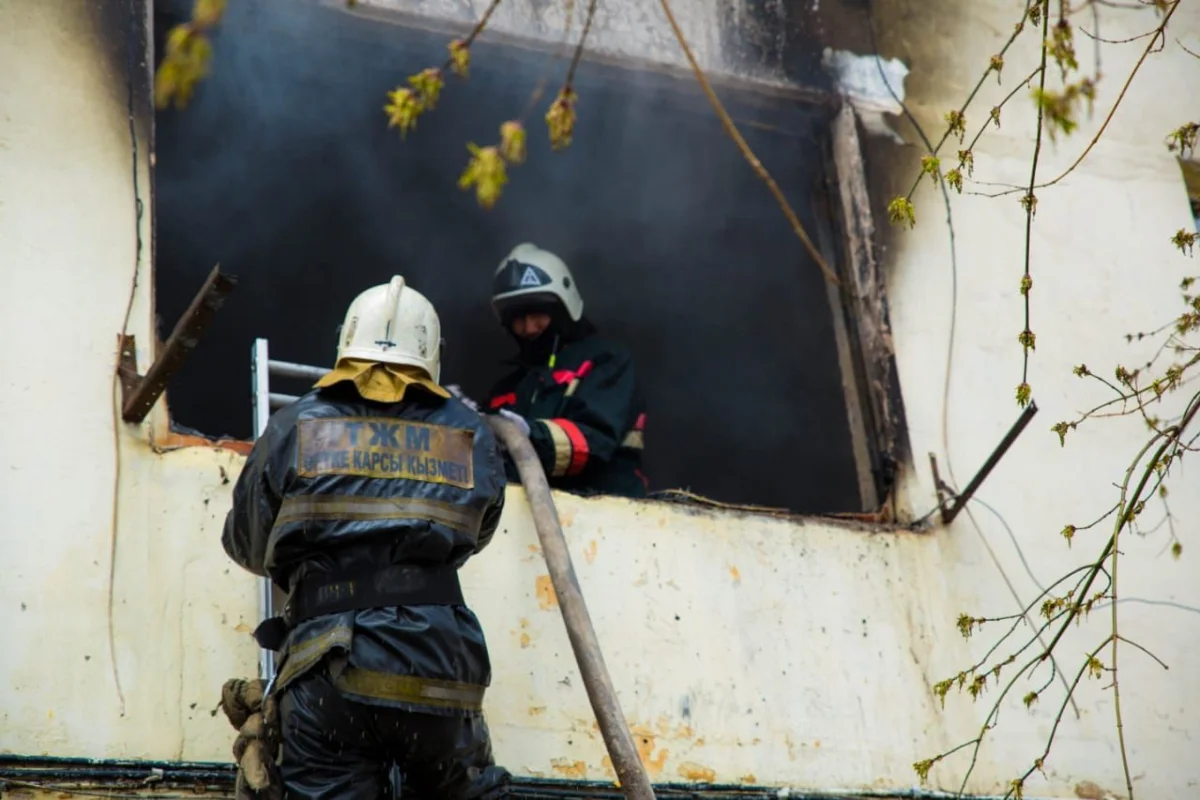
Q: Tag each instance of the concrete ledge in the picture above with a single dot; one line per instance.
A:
(43, 778)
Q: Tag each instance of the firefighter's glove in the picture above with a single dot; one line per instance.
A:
(516, 419)
(457, 391)
(256, 720)
(240, 699)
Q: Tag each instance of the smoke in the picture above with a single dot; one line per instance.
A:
(283, 170)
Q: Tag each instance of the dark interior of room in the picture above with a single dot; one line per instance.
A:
(284, 171)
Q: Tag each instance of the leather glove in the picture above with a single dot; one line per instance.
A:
(516, 419)
(240, 699)
(255, 718)
(457, 391)
(250, 752)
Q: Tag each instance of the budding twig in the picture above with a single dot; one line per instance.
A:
(1157, 34)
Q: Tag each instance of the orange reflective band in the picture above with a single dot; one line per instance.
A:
(509, 399)
(579, 445)
(562, 376)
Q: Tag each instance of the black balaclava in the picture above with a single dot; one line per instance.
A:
(562, 329)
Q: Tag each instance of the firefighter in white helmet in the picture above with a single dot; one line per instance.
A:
(361, 500)
(575, 392)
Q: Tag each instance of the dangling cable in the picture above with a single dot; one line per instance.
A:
(131, 65)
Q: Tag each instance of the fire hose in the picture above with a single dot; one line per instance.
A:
(634, 782)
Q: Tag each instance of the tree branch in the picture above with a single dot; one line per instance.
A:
(731, 129)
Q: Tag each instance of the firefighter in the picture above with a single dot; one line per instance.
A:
(361, 500)
(574, 393)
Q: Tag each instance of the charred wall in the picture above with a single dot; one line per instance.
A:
(283, 170)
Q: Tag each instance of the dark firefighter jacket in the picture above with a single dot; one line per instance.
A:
(586, 417)
(337, 484)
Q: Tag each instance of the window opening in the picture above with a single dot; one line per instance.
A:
(282, 169)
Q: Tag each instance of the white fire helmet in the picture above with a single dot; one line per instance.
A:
(394, 324)
(531, 276)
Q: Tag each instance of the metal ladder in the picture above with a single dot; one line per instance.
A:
(266, 401)
(262, 367)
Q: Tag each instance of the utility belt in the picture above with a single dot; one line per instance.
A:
(336, 592)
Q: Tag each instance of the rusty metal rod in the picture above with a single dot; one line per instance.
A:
(144, 391)
(965, 495)
(635, 783)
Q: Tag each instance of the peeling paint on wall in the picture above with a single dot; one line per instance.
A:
(544, 591)
(691, 771)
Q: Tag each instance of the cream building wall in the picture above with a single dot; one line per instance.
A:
(746, 649)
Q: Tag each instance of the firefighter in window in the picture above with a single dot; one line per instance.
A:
(573, 392)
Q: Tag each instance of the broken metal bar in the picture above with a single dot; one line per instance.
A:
(965, 495)
(141, 392)
(939, 486)
(286, 369)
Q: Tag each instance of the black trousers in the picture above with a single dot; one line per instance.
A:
(337, 749)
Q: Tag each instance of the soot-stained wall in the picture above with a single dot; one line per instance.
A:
(283, 170)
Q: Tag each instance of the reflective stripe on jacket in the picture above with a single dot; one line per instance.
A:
(586, 417)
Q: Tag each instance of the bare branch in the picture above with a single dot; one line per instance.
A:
(731, 129)
(587, 27)
(1144, 650)
(1097, 38)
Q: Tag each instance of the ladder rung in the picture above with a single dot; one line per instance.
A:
(287, 369)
